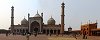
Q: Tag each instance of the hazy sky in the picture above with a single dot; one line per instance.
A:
(76, 11)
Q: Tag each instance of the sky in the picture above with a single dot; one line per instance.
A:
(77, 12)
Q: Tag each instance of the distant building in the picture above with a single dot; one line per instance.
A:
(89, 29)
(69, 29)
(96, 32)
(78, 32)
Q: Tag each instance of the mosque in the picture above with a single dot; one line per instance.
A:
(35, 23)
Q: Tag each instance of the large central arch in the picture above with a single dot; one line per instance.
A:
(34, 27)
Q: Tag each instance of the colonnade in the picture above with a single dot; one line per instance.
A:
(50, 31)
(18, 31)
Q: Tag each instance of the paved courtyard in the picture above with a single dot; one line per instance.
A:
(45, 37)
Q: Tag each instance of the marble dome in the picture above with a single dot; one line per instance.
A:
(51, 21)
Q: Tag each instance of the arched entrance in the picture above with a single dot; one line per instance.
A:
(58, 32)
(51, 31)
(34, 27)
(54, 31)
(47, 32)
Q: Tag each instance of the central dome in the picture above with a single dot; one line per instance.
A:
(51, 21)
(37, 15)
(24, 22)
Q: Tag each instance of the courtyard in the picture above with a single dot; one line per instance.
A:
(45, 37)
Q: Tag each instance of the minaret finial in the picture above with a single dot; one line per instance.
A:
(12, 7)
(51, 16)
(89, 21)
(42, 14)
(24, 16)
(96, 21)
(81, 23)
(28, 14)
(63, 3)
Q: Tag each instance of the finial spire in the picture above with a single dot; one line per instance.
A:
(96, 21)
(28, 14)
(89, 21)
(37, 11)
(81, 23)
(63, 3)
(69, 26)
(12, 7)
(24, 16)
(51, 15)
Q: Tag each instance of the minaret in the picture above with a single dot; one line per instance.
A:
(12, 18)
(12, 15)
(62, 18)
(28, 16)
(28, 22)
(42, 22)
(42, 15)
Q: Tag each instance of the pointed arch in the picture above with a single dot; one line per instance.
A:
(35, 26)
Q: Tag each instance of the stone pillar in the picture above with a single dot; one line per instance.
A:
(46, 32)
(25, 30)
(56, 32)
(40, 28)
(19, 30)
(53, 31)
(49, 31)
(29, 26)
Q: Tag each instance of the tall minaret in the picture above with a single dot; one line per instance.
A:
(28, 22)
(62, 18)
(12, 18)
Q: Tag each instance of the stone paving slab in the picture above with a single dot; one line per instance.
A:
(45, 37)
(60, 38)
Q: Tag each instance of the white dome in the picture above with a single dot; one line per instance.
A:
(37, 15)
(24, 21)
(51, 21)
